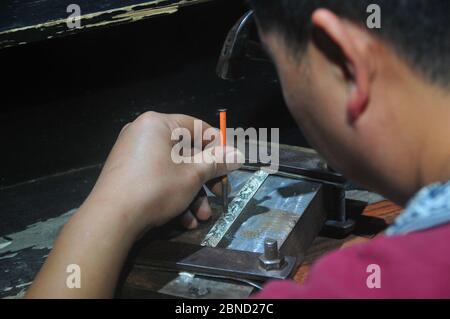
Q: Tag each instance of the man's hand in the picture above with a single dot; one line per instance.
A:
(141, 178)
(139, 187)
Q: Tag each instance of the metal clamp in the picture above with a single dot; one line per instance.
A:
(271, 259)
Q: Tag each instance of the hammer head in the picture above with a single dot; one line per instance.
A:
(239, 47)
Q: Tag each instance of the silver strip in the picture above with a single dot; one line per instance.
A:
(235, 208)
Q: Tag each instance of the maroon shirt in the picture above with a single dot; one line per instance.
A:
(416, 265)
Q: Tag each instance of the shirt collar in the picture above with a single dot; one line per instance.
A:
(429, 208)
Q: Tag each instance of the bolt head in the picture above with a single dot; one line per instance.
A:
(271, 264)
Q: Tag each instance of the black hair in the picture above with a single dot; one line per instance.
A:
(419, 30)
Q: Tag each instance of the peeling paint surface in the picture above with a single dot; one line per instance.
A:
(37, 236)
(4, 243)
(24, 252)
(57, 26)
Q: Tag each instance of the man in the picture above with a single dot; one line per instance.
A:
(374, 102)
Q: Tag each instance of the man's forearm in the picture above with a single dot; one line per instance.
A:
(97, 240)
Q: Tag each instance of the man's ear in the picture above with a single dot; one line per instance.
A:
(355, 64)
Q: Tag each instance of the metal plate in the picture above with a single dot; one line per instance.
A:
(235, 208)
(274, 212)
(228, 263)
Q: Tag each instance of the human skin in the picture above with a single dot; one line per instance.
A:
(368, 112)
(129, 198)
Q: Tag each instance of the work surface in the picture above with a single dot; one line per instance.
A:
(370, 224)
(373, 220)
(33, 224)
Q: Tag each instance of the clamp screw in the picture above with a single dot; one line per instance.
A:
(271, 259)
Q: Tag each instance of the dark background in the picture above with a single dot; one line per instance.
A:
(63, 101)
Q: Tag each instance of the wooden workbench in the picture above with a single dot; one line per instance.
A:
(371, 223)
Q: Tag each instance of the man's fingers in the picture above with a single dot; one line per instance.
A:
(216, 162)
(215, 186)
(198, 210)
(188, 220)
(201, 208)
(196, 127)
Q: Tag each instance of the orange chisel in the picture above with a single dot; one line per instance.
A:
(223, 142)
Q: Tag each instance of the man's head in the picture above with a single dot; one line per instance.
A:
(365, 98)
